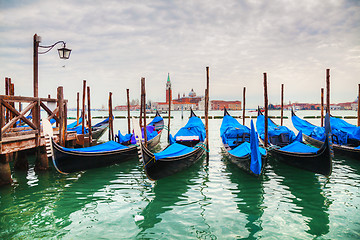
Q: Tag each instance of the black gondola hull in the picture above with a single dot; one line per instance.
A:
(69, 162)
(319, 162)
(157, 169)
(244, 162)
(338, 149)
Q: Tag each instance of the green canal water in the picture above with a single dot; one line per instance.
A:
(213, 200)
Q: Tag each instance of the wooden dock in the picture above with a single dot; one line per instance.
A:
(19, 133)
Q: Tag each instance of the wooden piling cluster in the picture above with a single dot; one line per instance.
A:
(16, 138)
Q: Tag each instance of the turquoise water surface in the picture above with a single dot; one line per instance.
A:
(213, 200)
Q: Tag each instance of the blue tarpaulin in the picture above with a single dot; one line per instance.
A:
(78, 129)
(101, 123)
(194, 127)
(74, 124)
(155, 120)
(343, 126)
(245, 149)
(339, 135)
(123, 138)
(173, 150)
(309, 129)
(231, 130)
(298, 147)
(273, 129)
(255, 165)
(104, 147)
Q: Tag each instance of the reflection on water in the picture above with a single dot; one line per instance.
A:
(308, 196)
(168, 193)
(214, 201)
(249, 195)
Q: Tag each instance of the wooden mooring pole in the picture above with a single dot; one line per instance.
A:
(282, 105)
(89, 116)
(83, 108)
(244, 92)
(328, 91)
(322, 107)
(111, 122)
(266, 110)
(77, 107)
(143, 97)
(128, 109)
(358, 108)
(207, 113)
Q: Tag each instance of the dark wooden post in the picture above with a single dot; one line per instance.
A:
(207, 113)
(2, 120)
(111, 126)
(12, 93)
(358, 110)
(36, 64)
(282, 105)
(143, 93)
(244, 92)
(128, 108)
(83, 108)
(77, 107)
(36, 109)
(322, 107)
(89, 116)
(60, 98)
(328, 91)
(65, 122)
(141, 105)
(169, 114)
(266, 110)
(7, 112)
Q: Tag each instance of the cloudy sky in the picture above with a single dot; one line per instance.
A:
(115, 43)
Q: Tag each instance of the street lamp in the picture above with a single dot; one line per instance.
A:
(64, 53)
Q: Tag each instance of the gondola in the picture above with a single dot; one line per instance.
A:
(288, 148)
(96, 131)
(241, 145)
(186, 148)
(154, 130)
(69, 160)
(314, 135)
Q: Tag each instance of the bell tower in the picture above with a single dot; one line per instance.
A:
(168, 88)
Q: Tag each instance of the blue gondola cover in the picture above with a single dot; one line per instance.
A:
(194, 127)
(231, 130)
(104, 147)
(155, 120)
(273, 129)
(173, 150)
(298, 147)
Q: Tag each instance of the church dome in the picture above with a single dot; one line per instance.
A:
(192, 93)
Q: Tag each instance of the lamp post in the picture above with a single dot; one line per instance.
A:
(64, 53)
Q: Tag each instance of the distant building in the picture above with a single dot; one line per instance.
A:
(220, 104)
(192, 101)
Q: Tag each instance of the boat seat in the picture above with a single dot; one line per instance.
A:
(280, 140)
(189, 141)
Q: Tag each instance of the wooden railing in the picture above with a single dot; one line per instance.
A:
(9, 115)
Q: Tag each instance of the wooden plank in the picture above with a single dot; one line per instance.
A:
(25, 99)
(9, 107)
(49, 112)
